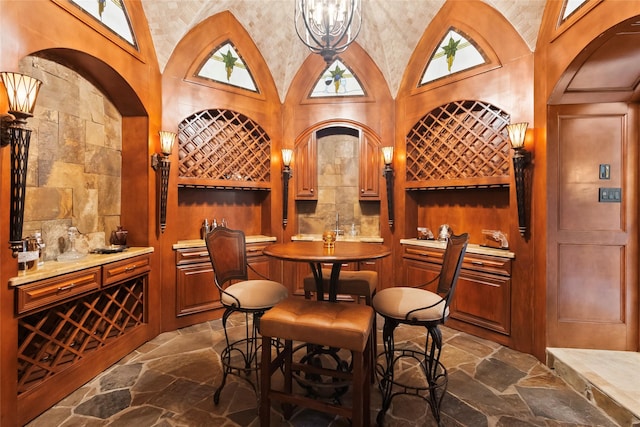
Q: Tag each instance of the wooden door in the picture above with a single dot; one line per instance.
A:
(592, 256)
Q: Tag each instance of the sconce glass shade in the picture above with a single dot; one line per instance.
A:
(328, 27)
(287, 155)
(517, 133)
(166, 141)
(387, 154)
(22, 92)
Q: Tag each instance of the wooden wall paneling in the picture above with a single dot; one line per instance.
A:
(509, 86)
(132, 82)
(375, 112)
(254, 212)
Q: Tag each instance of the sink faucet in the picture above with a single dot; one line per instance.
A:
(338, 231)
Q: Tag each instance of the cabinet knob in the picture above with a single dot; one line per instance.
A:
(311, 190)
(362, 190)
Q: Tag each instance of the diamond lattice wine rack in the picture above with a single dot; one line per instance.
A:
(223, 149)
(51, 340)
(463, 144)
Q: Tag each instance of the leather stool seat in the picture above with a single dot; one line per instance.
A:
(362, 283)
(344, 326)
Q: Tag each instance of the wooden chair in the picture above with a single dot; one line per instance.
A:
(326, 324)
(227, 250)
(420, 307)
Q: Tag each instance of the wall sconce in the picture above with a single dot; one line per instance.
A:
(287, 173)
(22, 92)
(387, 154)
(161, 162)
(521, 159)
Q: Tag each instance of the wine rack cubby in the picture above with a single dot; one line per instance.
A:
(54, 339)
(462, 144)
(223, 149)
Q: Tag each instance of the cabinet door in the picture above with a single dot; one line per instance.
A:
(195, 289)
(305, 169)
(370, 171)
(417, 274)
(483, 300)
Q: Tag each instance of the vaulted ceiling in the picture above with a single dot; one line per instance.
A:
(390, 31)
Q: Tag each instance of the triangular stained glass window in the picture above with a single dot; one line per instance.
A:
(455, 53)
(571, 6)
(225, 65)
(112, 14)
(337, 80)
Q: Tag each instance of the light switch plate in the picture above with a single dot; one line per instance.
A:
(610, 195)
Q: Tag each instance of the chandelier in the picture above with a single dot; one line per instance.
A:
(328, 27)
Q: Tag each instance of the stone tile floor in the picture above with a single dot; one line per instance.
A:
(170, 381)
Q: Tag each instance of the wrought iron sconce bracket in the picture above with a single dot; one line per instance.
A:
(161, 163)
(387, 155)
(521, 159)
(287, 173)
(22, 92)
(388, 175)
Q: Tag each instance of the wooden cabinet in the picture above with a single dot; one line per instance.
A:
(72, 326)
(370, 170)
(196, 291)
(305, 169)
(483, 294)
(195, 288)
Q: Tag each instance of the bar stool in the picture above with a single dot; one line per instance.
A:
(227, 250)
(340, 326)
(361, 284)
(419, 307)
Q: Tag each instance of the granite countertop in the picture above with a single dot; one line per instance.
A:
(346, 238)
(472, 248)
(56, 268)
(197, 243)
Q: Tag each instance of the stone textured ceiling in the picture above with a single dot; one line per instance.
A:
(390, 31)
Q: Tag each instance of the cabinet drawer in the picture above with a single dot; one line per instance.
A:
(424, 254)
(487, 264)
(192, 255)
(57, 289)
(122, 270)
(255, 249)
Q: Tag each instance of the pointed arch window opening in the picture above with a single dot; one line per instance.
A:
(570, 7)
(225, 65)
(337, 80)
(455, 53)
(111, 14)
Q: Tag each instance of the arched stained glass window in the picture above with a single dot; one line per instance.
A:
(112, 14)
(455, 52)
(225, 65)
(337, 80)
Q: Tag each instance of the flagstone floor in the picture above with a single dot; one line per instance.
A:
(170, 381)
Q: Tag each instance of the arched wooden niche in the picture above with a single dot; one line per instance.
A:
(358, 173)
